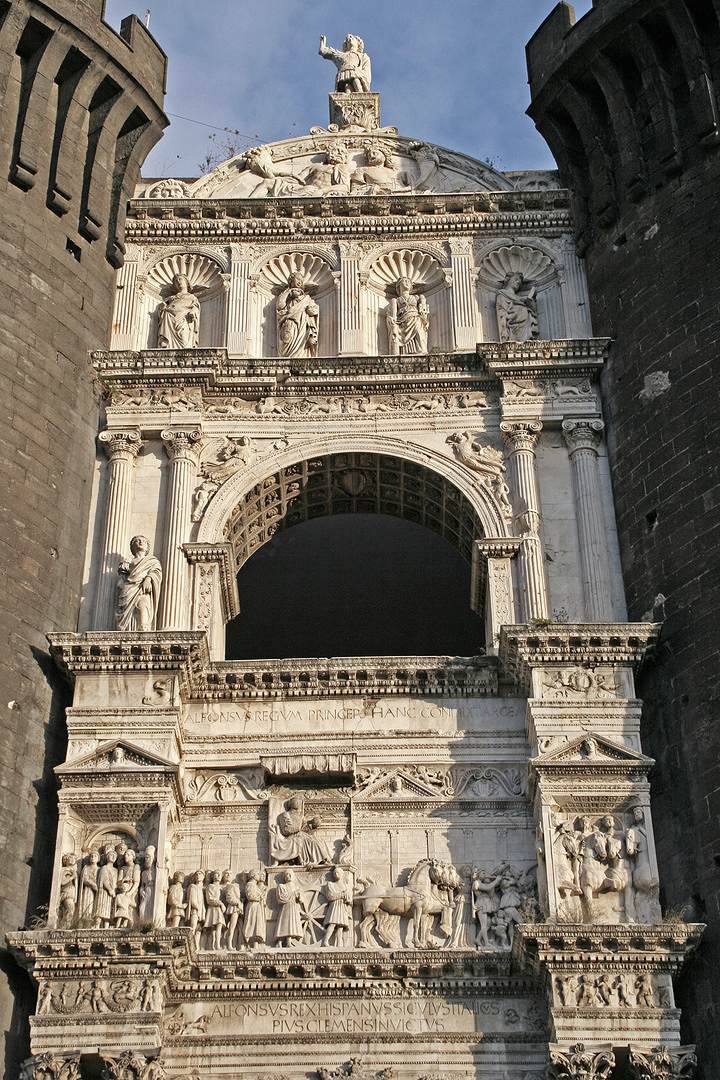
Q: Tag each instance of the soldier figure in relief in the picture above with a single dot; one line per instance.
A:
(175, 900)
(89, 885)
(68, 890)
(214, 911)
(196, 905)
(107, 887)
(338, 916)
(352, 62)
(289, 925)
(255, 925)
(232, 898)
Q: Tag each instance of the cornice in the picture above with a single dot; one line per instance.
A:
(182, 652)
(660, 945)
(544, 360)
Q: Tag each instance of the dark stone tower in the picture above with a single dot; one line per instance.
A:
(628, 99)
(80, 107)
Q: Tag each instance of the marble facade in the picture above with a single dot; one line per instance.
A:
(364, 866)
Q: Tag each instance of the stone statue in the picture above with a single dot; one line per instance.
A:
(292, 838)
(255, 925)
(232, 898)
(202, 498)
(196, 905)
(275, 180)
(179, 317)
(89, 885)
(138, 590)
(484, 902)
(146, 891)
(338, 915)
(298, 319)
(289, 930)
(641, 903)
(68, 890)
(128, 884)
(601, 869)
(378, 176)
(352, 63)
(175, 900)
(106, 888)
(516, 310)
(214, 911)
(408, 321)
(332, 176)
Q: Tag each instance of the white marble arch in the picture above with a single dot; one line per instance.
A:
(424, 265)
(206, 272)
(270, 275)
(211, 530)
(538, 262)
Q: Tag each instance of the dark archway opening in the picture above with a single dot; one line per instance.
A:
(355, 584)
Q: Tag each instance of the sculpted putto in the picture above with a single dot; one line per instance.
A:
(138, 589)
(179, 317)
(352, 63)
(408, 321)
(298, 318)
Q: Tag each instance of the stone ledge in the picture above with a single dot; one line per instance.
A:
(660, 945)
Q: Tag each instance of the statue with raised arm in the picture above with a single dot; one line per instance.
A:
(352, 63)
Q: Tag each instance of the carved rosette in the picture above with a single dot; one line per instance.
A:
(120, 445)
(579, 1063)
(662, 1063)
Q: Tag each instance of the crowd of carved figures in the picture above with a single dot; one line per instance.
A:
(620, 990)
(603, 871)
(113, 887)
(297, 316)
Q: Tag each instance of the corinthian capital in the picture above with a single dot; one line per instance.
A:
(120, 445)
(182, 444)
(578, 1063)
(521, 434)
(662, 1063)
(50, 1067)
(582, 434)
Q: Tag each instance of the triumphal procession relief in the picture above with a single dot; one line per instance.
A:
(374, 866)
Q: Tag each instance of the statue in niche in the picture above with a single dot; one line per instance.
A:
(138, 590)
(378, 176)
(232, 898)
(106, 888)
(255, 925)
(352, 63)
(89, 885)
(331, 177)
(293, 839)
(289, 930)
(408, 321)
(179, 317)
(338, 915)
(641, 902)
(516, 309)
(298, 318)
(214, 921)
(68, 890)
(147, 882)
(175, 900)
(128, 884)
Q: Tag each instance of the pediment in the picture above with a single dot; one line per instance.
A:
(115, 756)
(591, 749)
(326, 163)
(395, 785)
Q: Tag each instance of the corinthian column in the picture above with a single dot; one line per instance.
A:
(121, 448)
(183, 449)
(583, 438)
(521, 438)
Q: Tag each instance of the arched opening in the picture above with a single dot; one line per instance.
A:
(354, 555)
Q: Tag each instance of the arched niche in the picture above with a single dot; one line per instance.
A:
(272, 277)
(205, 277)
(348, 475)
(380, 277)
(539, 269)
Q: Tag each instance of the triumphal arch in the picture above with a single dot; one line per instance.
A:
(367, 866)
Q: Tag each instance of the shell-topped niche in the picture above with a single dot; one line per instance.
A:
(534, 265)
(316, 272)
(203, 273)
(420, 267)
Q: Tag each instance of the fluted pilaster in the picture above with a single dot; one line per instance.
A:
(583, 439)
(121, 448)
(182, 448)
(521, 439)
(351, 310)
(463, 304)
(238, 306)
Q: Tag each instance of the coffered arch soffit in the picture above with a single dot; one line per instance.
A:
(446, 484)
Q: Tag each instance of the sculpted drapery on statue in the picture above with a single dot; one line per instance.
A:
(138, 589)
(298, 318)
(408, 321)
(516, 310)
(179, 317)
(352, 62)
(293, 839)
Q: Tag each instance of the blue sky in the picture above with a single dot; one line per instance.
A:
(450, 71)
